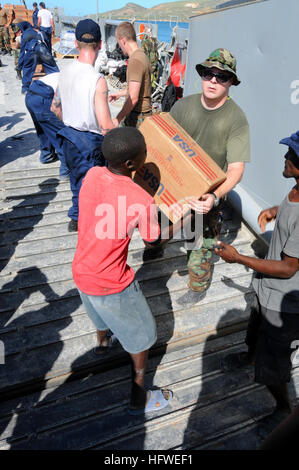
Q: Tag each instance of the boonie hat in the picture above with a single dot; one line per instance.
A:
(293, 142)
(88, 26)
(222, 59)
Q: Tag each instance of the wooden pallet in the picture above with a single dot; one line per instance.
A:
(62, 56)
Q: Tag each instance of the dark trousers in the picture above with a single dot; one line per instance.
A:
(38, 101)
(82, 150)
(48, 36)
(270, 337)
(39, 55)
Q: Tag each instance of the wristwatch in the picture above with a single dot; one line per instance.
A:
(216, 200)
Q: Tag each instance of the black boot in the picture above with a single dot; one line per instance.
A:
(19, 74)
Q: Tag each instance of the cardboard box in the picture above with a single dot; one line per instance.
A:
(176, 166)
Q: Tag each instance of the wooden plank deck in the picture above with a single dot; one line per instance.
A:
(54, 393)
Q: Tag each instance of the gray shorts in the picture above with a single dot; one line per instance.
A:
(126, 314)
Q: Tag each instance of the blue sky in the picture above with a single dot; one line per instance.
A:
(74, 7)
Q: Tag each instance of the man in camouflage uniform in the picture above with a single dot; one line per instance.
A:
(150, 47)
(17, 40)
(4, 33)
(220, 127)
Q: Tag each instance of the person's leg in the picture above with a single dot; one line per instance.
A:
(136, 331)
(51, 125)
(199, 261)
(7, 40)
(30, 63)
(78, 165)
(281, 395)
(273, 362)
(47, 151)
(139, 396)
(16, 57)
(2, 44)
(246, 358)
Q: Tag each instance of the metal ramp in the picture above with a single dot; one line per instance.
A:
(54, 393)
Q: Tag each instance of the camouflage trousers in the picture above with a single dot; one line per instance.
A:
(199, 261)
(4, 38)
(16, 57)
(135, 119)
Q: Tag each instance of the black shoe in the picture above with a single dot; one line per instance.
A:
(191, 297)
(73, 226)
(19, 74)
(53, 159)
(235, 361)
(4, 52)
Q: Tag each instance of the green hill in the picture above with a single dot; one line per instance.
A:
(183, 10)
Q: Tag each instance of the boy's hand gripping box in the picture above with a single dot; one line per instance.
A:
(176, 167)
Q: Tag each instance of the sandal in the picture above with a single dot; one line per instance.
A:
(99, 350)
(156, 402)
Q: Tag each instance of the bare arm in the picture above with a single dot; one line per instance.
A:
(131, 101)
(101, 106)
(117, 94)
(233, 176)
(169, 232)
(56, 105)
(284, 268)
(53, 25)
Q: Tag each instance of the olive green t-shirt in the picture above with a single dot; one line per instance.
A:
(223, 132)
(139, 70)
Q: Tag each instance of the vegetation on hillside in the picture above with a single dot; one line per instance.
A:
(183, 10)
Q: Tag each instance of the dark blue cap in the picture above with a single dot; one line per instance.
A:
(292, 142)
(88, 26)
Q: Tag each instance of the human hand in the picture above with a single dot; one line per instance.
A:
(203, 205)
(113, 97)
(227, 252)
(265, 217)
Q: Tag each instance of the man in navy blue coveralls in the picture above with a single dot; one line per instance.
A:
(82, 145)
(38, 101)
(34, 15)
(33, 51)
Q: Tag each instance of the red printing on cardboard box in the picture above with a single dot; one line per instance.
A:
(177, 137)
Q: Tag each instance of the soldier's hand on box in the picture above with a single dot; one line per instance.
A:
(203, 205)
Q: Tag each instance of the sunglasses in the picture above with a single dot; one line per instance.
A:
(207, 75)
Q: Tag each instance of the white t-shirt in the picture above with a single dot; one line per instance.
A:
(45, 16)
(77, 85)
(51, 80)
